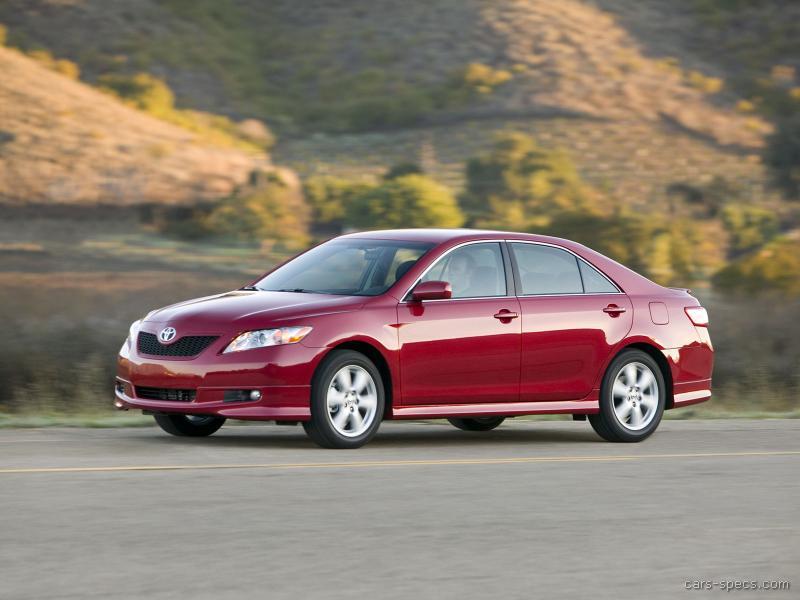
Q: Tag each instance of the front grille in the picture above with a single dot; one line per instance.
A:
(190, 345)
(166, 394)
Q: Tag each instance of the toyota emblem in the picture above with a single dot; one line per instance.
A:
(167, 334)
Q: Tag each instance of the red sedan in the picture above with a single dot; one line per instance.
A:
(471, 326)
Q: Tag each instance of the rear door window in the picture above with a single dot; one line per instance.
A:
(545, 270)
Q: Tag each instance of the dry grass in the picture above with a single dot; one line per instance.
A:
(63, 331)
(68, 143)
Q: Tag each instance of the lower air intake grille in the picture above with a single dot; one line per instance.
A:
(166, 394)
(190, 345)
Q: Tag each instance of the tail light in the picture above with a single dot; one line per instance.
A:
(697, 315)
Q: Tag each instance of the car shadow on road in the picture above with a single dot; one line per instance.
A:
(496, 437)
(396, 437)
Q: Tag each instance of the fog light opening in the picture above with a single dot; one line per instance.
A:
(242, 396)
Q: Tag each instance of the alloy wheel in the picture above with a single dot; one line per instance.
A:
(352, 400)
(635, 396)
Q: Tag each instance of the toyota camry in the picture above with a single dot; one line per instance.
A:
(471, 326)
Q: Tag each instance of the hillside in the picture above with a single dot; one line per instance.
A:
(354, 87)
(63, 142)
(294, 60)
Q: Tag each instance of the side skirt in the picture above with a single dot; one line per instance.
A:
(440, 411)
(688, 398)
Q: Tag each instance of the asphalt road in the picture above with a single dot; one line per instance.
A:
(531, 510)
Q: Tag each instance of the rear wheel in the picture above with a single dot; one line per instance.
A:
(477, 423)
(347, 401)
(632, 398)
(189, 425)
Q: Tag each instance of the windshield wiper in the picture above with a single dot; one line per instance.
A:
(297, 290)
(250, 288)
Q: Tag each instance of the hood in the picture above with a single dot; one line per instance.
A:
(244, 309)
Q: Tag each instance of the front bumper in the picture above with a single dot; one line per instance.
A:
(277, 403)
(282, 375)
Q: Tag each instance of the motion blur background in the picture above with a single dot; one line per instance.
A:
(157, 150)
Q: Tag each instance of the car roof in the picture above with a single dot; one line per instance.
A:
(438, 236)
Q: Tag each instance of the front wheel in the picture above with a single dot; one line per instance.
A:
(189, 425)
(347, 401)
(632, 398)
(477, 423)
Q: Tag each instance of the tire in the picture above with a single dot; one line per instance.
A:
(189, 425)
(477, 423)
(347, 401)
(632, 398)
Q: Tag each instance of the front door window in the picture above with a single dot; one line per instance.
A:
(473, 271)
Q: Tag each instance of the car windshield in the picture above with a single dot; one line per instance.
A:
(346, 267)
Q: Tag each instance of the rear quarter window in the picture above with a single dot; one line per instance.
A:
(595, 282)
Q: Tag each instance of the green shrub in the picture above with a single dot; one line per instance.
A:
(749, 226)
(269, 210)
(773, 268)
(3, 34)
(707, 85)
(705, 201)
(142, 90)
(474, 80)
(329, 199)
(483, 78)
(519, 184)
(407, 201)
(59, 65)
(401, 169)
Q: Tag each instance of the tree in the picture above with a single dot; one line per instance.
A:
(773, 267)
(518, 184)
(406, 201)
(401, 169)
(782, 156)
(671, 252)
(749, 226)
(704, 201)
(270, 210)
(329, 198)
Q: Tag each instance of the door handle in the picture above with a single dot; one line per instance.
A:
(505, 314)
(614, 310)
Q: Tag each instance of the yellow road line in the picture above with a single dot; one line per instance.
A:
(393, 463)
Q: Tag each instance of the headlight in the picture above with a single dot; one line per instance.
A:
(267, 337)
(133, 331)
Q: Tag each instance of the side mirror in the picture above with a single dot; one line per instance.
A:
(432, 290)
